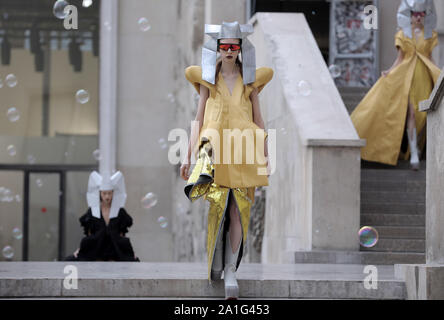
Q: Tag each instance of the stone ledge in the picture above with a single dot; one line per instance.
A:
(423, 281)
(358, 143)
(358, 257)
(188, 280)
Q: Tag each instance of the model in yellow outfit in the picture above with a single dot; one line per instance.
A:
(381, 116)
(228, 184)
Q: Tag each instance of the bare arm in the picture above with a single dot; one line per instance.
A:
(397, 62)
(204, 93)
(257, 116)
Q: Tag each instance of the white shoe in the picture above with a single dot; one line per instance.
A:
(231, 287)
(414, 159)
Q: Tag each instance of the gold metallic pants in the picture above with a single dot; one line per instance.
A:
(201, 184)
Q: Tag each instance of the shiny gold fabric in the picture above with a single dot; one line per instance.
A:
(233, 111)
(380, 118)
(201, 184)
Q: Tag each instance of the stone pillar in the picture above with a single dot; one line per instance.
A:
(425, 282)
(108, 84)
(147, 67)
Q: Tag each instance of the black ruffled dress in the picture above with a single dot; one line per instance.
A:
(105, 242)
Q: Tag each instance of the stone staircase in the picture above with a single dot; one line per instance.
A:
(352, 97)
(393, 202)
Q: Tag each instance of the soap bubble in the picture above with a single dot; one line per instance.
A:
(8, 252)
(107, 25)
(6, 195)
(96, 154)
(335, 70)
(163, 222)
(353, 46)
(368, 236)
(86, 3)
(17, 233)
(82, 96)
(39, 183)
(171, 98)
(11, 80)
(163, 144)
(144, 24)
(149, 200)
(13, 114)
(304, 88)
(11, 150)
(59, 9)
(31, 159)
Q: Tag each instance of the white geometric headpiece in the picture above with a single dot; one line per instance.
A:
(405, 13)
(209, 50)
(97, 183)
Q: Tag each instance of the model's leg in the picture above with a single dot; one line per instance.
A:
(232, 247)
(235, 226)
(217, 267)
(411, 133)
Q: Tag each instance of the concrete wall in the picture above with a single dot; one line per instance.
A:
(435, 162)
(147, 70)
(313, 198)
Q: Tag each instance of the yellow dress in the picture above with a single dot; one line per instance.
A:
(380, 118)
(214, 177)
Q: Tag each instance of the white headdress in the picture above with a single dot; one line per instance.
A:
(225, 31)
(405, 14)
(97, 183)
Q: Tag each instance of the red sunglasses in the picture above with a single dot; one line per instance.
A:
(418, 14)
(232, 46)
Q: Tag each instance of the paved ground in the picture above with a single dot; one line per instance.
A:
(189, 280)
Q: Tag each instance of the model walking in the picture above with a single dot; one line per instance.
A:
(224, 173)
(391, 107)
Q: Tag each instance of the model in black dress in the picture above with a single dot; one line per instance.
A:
(105, 242)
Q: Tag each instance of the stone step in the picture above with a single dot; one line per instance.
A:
(398, 245)
(393, 208)
(382, 196)
(380, 219)
(189, 280)
(400, 232)
(394, 186)
(358, 257)
(392, 175)
(401, 165)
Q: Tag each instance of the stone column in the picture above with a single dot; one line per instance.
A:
(426, 282)
(108, 83)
